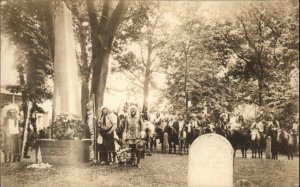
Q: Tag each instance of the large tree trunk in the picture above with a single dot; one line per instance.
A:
(102, 35)
(146, 89)
(260, 81)
(102, 77)
(260, 92)
(84, 98)
(24, 94)
(185, 84)
(85, 73)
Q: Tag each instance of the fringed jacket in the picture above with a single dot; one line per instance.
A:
(133, 127)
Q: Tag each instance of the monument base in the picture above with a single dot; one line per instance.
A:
(64, 152)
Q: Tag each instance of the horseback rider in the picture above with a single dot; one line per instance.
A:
(132, 133)
(259, 125)
(241, 122)
(158, 123)
(272, 123)
(194, 122)
(201, 120)
(224, 119)
(295, 131)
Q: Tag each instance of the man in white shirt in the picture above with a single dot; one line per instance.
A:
(259, 125)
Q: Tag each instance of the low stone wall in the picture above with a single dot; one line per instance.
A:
(64, 152)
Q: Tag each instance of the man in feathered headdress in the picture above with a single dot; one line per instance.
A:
(132, 133)
(107, 123)
(12, 131)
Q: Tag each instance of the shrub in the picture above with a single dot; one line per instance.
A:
(67, 127)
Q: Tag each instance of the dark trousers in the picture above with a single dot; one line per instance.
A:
(134, 152)
(105, 155)
(102, 153)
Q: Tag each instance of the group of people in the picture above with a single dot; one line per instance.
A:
(115, 132)
(226, 125)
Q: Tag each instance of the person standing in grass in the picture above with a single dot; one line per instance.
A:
(107, 125)
(132, 133)
(12, 134)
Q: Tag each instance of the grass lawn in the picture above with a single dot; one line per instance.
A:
(157, 170)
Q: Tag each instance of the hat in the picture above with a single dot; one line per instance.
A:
(140, 145)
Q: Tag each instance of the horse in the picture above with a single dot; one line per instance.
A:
(257, 143)
(182, 139)
(149, 129)
(193, 133)
(219, 129)
(158, 134)
(239, 139)
(173, 138)
(274, 144)
(286, 142)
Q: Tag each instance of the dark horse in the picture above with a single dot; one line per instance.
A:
(220, 129)
(173, 138)
(257, 143)
(192, 134)
(274, 144)
(239, 140)
(182, 139)
(286, 143)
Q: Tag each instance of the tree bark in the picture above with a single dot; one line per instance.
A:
(260, 81)
(260, 92)
(102, 77)
(48, 25)
(85, 73)
(24, 94)
(185, 84)
(146, 87)
(102, 35)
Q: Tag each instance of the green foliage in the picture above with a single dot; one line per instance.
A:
(67, 127)
(191, 72)
(260, 48)
(23, 22)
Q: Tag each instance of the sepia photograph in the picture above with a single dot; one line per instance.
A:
(149, 93)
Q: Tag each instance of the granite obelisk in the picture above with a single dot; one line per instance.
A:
(66, 78)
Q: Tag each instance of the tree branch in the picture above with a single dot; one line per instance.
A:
(141, 50)
(247, 37)
(115, 18)
(134, 75)
(94, 29)
(104, 15)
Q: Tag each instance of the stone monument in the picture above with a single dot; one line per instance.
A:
(210, 162)
(66, 96)
(268, 148)
(165, 143)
